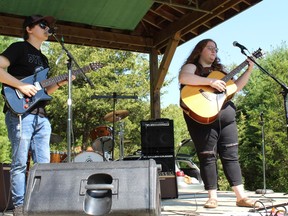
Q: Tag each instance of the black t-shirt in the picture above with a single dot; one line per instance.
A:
(25, 60)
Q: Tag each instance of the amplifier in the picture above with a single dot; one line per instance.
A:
(167, 162)
(167, 177)
(5, 188)
(157, 137)
(168, 185)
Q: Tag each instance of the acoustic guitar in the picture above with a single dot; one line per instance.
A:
(204, 102)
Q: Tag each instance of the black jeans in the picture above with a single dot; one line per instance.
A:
(219, 138)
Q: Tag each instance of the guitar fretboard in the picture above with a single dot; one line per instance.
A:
(234, 72)
(62, 77)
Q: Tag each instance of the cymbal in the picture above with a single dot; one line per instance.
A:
(119, 114)
(55, 138)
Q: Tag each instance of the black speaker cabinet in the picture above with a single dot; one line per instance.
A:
(167, 162)
(5, 196)
(94, 188)
(157, 137)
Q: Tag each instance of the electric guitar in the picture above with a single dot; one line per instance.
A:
(204, 102)
(20, 103)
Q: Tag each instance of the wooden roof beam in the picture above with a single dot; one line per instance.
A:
(170, 3)
(165, 63)
(164, 14)
(236, 8)
(151, 22)
(193, 19)
(221, 16)
(94, 34)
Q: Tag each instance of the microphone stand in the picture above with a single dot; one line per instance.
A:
(284, 87)
(264, 190)
(284, 92)
(71, 60)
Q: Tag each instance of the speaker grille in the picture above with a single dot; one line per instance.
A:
(157, 137)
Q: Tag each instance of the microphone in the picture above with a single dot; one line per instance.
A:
(235, 43)
(51, 31)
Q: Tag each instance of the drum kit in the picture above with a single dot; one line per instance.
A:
(103, 139)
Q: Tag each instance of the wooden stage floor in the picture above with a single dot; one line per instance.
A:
(190, 203)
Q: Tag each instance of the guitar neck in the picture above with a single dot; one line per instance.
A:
(54, 80)
(234, 72)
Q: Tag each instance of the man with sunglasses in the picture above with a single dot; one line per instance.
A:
(30, 131)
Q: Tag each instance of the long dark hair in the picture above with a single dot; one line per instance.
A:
(193, 58)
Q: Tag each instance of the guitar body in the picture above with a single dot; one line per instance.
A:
(20, 104)
(204, 102)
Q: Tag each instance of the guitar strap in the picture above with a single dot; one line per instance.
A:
(39, 111)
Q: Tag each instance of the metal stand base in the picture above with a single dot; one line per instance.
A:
(264, 191)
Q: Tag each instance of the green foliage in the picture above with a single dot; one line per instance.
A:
(180, 130)
(5, 148)
(263, 95)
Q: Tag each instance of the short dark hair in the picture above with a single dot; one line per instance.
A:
(31, 21)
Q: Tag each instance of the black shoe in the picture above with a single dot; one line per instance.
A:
(18, 211)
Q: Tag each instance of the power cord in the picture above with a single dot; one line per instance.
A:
(274, 211)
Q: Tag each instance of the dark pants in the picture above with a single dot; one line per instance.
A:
(219, 138)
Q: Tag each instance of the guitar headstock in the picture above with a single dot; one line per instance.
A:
(258, 53)
(95, 66)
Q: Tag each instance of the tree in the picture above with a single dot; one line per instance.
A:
(123, 73)
(262, 95)
(175, 113)
(5, 148)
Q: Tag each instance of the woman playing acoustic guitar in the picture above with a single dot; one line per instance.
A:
(213, 134)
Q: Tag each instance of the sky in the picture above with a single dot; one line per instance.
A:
(262, 26)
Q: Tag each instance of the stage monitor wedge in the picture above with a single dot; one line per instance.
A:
(94, 188)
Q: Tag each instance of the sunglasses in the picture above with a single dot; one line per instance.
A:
(43, 25)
